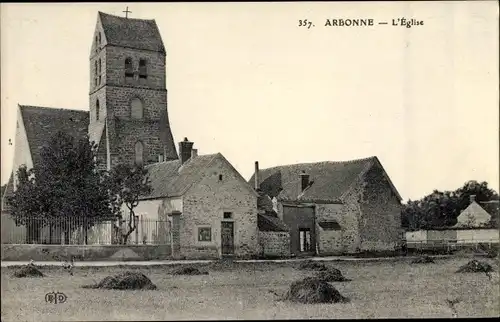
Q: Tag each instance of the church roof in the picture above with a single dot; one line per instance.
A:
(132, 33)
(42, 122)
(173, 179)
(9, 189)
(329, 180)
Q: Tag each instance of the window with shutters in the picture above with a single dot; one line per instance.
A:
(143, 69)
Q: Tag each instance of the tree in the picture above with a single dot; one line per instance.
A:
(63, 190)
(441, 209)
(126, 185)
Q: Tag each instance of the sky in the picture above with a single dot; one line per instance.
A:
(245, 80)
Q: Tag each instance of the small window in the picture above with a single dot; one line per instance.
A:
(97, 108)
(95, 73)
(305, 239)
(139, 153)
(99, 72)
(204, 234)
(220, 177)
(129, 69)
(143, 69)
(99, 40)
(228, 215)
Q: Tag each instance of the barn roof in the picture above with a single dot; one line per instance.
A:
(131, 33)
(42, 122)
(329, 180)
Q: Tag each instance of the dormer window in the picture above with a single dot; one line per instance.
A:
(143, 69)
(129, 69)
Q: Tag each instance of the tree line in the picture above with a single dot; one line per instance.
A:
(441, 208)
(66, 186)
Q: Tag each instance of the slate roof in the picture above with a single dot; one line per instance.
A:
(43, 122)
(171, 179)
(132, 33)
(270, 223)
(329, 180)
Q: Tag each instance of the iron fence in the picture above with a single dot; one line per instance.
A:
(82, 231)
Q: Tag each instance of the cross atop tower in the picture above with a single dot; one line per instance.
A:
(127, 12)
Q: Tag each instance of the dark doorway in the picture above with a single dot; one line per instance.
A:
(301, 220)
(227, 238)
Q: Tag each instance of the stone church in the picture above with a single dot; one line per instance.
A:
(208, 208)
(205, 209)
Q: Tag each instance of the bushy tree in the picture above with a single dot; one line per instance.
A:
(63, 190)
(126, 184)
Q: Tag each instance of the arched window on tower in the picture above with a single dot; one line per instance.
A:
(139, 153)
(96, 44)
(136, 109)
(129, 69)
(99, 40)
(97, 110)
(99, 72)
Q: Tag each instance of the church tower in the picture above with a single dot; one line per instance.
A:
(128, 95)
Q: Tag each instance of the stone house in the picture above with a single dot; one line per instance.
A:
(335, 207)
(209, 209)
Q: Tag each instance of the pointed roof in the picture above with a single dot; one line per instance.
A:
(474, 210)
(329, 180)
(42, 122)
(131, 33)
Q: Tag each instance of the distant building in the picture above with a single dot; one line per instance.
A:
(334, 207)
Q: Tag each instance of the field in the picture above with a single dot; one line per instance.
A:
(380, 289)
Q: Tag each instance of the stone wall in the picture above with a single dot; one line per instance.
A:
(346, 240)
(274, 243)
(380, 220)
(204, 206)
(85, 253)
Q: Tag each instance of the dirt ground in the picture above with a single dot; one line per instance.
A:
(383, 289)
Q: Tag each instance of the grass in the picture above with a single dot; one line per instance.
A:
(381, 289)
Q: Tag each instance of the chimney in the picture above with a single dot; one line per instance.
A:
(185, 148)
(194, 153)
(304, 180)
(256, 176)
(472, 198)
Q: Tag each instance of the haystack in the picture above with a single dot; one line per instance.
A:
(188, 271)
(475, 266)
(423, 260)
(310, 265)
(313, 290)
(125, 281)
(331, 275)
(28, 271)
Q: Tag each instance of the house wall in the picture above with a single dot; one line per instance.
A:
(473, 216)
(477, 236)
(345, 240)
(274, 243)
(380, 216)
(416, 236)
(436, 236)
(204, 205)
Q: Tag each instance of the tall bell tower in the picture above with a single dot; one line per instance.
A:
(128, 95)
